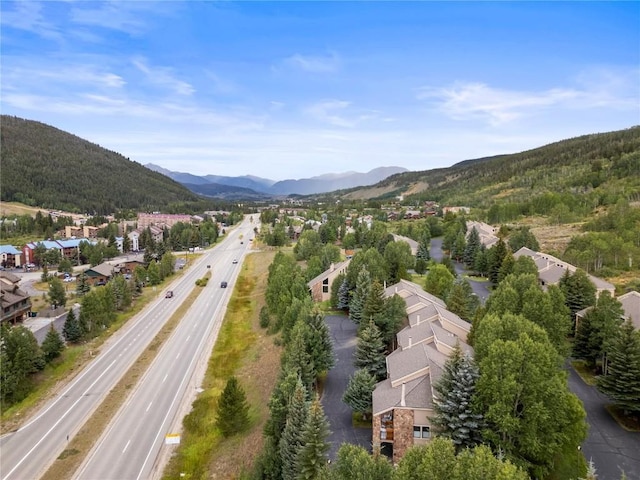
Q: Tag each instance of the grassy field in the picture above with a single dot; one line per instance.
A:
(243, 350)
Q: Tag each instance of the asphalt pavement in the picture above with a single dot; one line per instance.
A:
(611, 448)
(344, 336)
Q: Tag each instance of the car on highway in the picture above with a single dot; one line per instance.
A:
(235, 260)
(169, 294)
(223, 284)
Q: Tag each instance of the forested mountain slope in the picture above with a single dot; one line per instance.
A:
(46, 167)
(609, 162)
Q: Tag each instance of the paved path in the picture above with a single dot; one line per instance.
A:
(611, 448)
(343, 333)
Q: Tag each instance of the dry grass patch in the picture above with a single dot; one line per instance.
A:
(243, 350)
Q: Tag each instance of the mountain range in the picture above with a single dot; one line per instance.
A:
(249, 186)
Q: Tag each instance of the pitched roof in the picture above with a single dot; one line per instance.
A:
(631, 304)
(104, 269)
(551, 269)
(9, 249)
(337, 267)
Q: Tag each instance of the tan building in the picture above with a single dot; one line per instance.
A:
(169, 219)
(320, 287)
(403, 404)
(552, 269)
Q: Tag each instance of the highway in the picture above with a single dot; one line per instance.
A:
(132, 442)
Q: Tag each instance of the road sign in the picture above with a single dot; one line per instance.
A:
(172, 439)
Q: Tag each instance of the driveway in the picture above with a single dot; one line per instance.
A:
(612, 449)
(343, 332)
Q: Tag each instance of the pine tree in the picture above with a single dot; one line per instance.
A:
(358, 394)
(471, 249)
(370, 352)
(82, 286)
(233, 411)
(455, 389)
(360, 294)
(312, 458)
(343, 295)
(292, 439)
(423, 252)
(374, 302)
(461, 300)
(52, 346)
(319, 344)
(579, 291)
(621, 381)
(496, 256)
(71, 329)
(296, 357)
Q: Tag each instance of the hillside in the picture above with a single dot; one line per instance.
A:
(588, 166)
(46, 167)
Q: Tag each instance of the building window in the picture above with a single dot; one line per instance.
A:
(421, 431)
(325, 285)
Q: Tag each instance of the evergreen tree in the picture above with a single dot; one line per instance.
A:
(507, 266)
(461, 300)
(71, 330)
(481, 263)
(335, 291)
(423, 252)
(391, 318)
(312, 458)
(420, 266)
(454, 407)
(374, 303)
(471, 249)
(597, 329)
(370, 352)
(621, 381)
(495, 259)
(358, 394)
(319, 344)
(523, 238)
(579, 291)
(82, 285)
(292, 439)
(233, 411)
(52, 346)
(343, 295)
(459, 246)
(360, 294)
(296, 357)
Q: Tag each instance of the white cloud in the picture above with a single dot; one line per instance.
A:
(329, 111)
(469, 100)
(163, 76)
(28, 16)
(130, 17)
(340, 113)
(314, 64)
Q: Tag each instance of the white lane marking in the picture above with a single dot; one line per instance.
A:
(151, 403)
(126, 446)
(165, 377)
(60, 420)
(188, 338)
(178, 355)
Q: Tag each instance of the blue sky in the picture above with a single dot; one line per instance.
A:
(296, 89)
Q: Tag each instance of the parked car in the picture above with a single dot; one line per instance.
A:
(169, 294)
(223, 284)
(208, 266)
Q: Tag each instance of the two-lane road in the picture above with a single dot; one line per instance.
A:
(28, 452)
